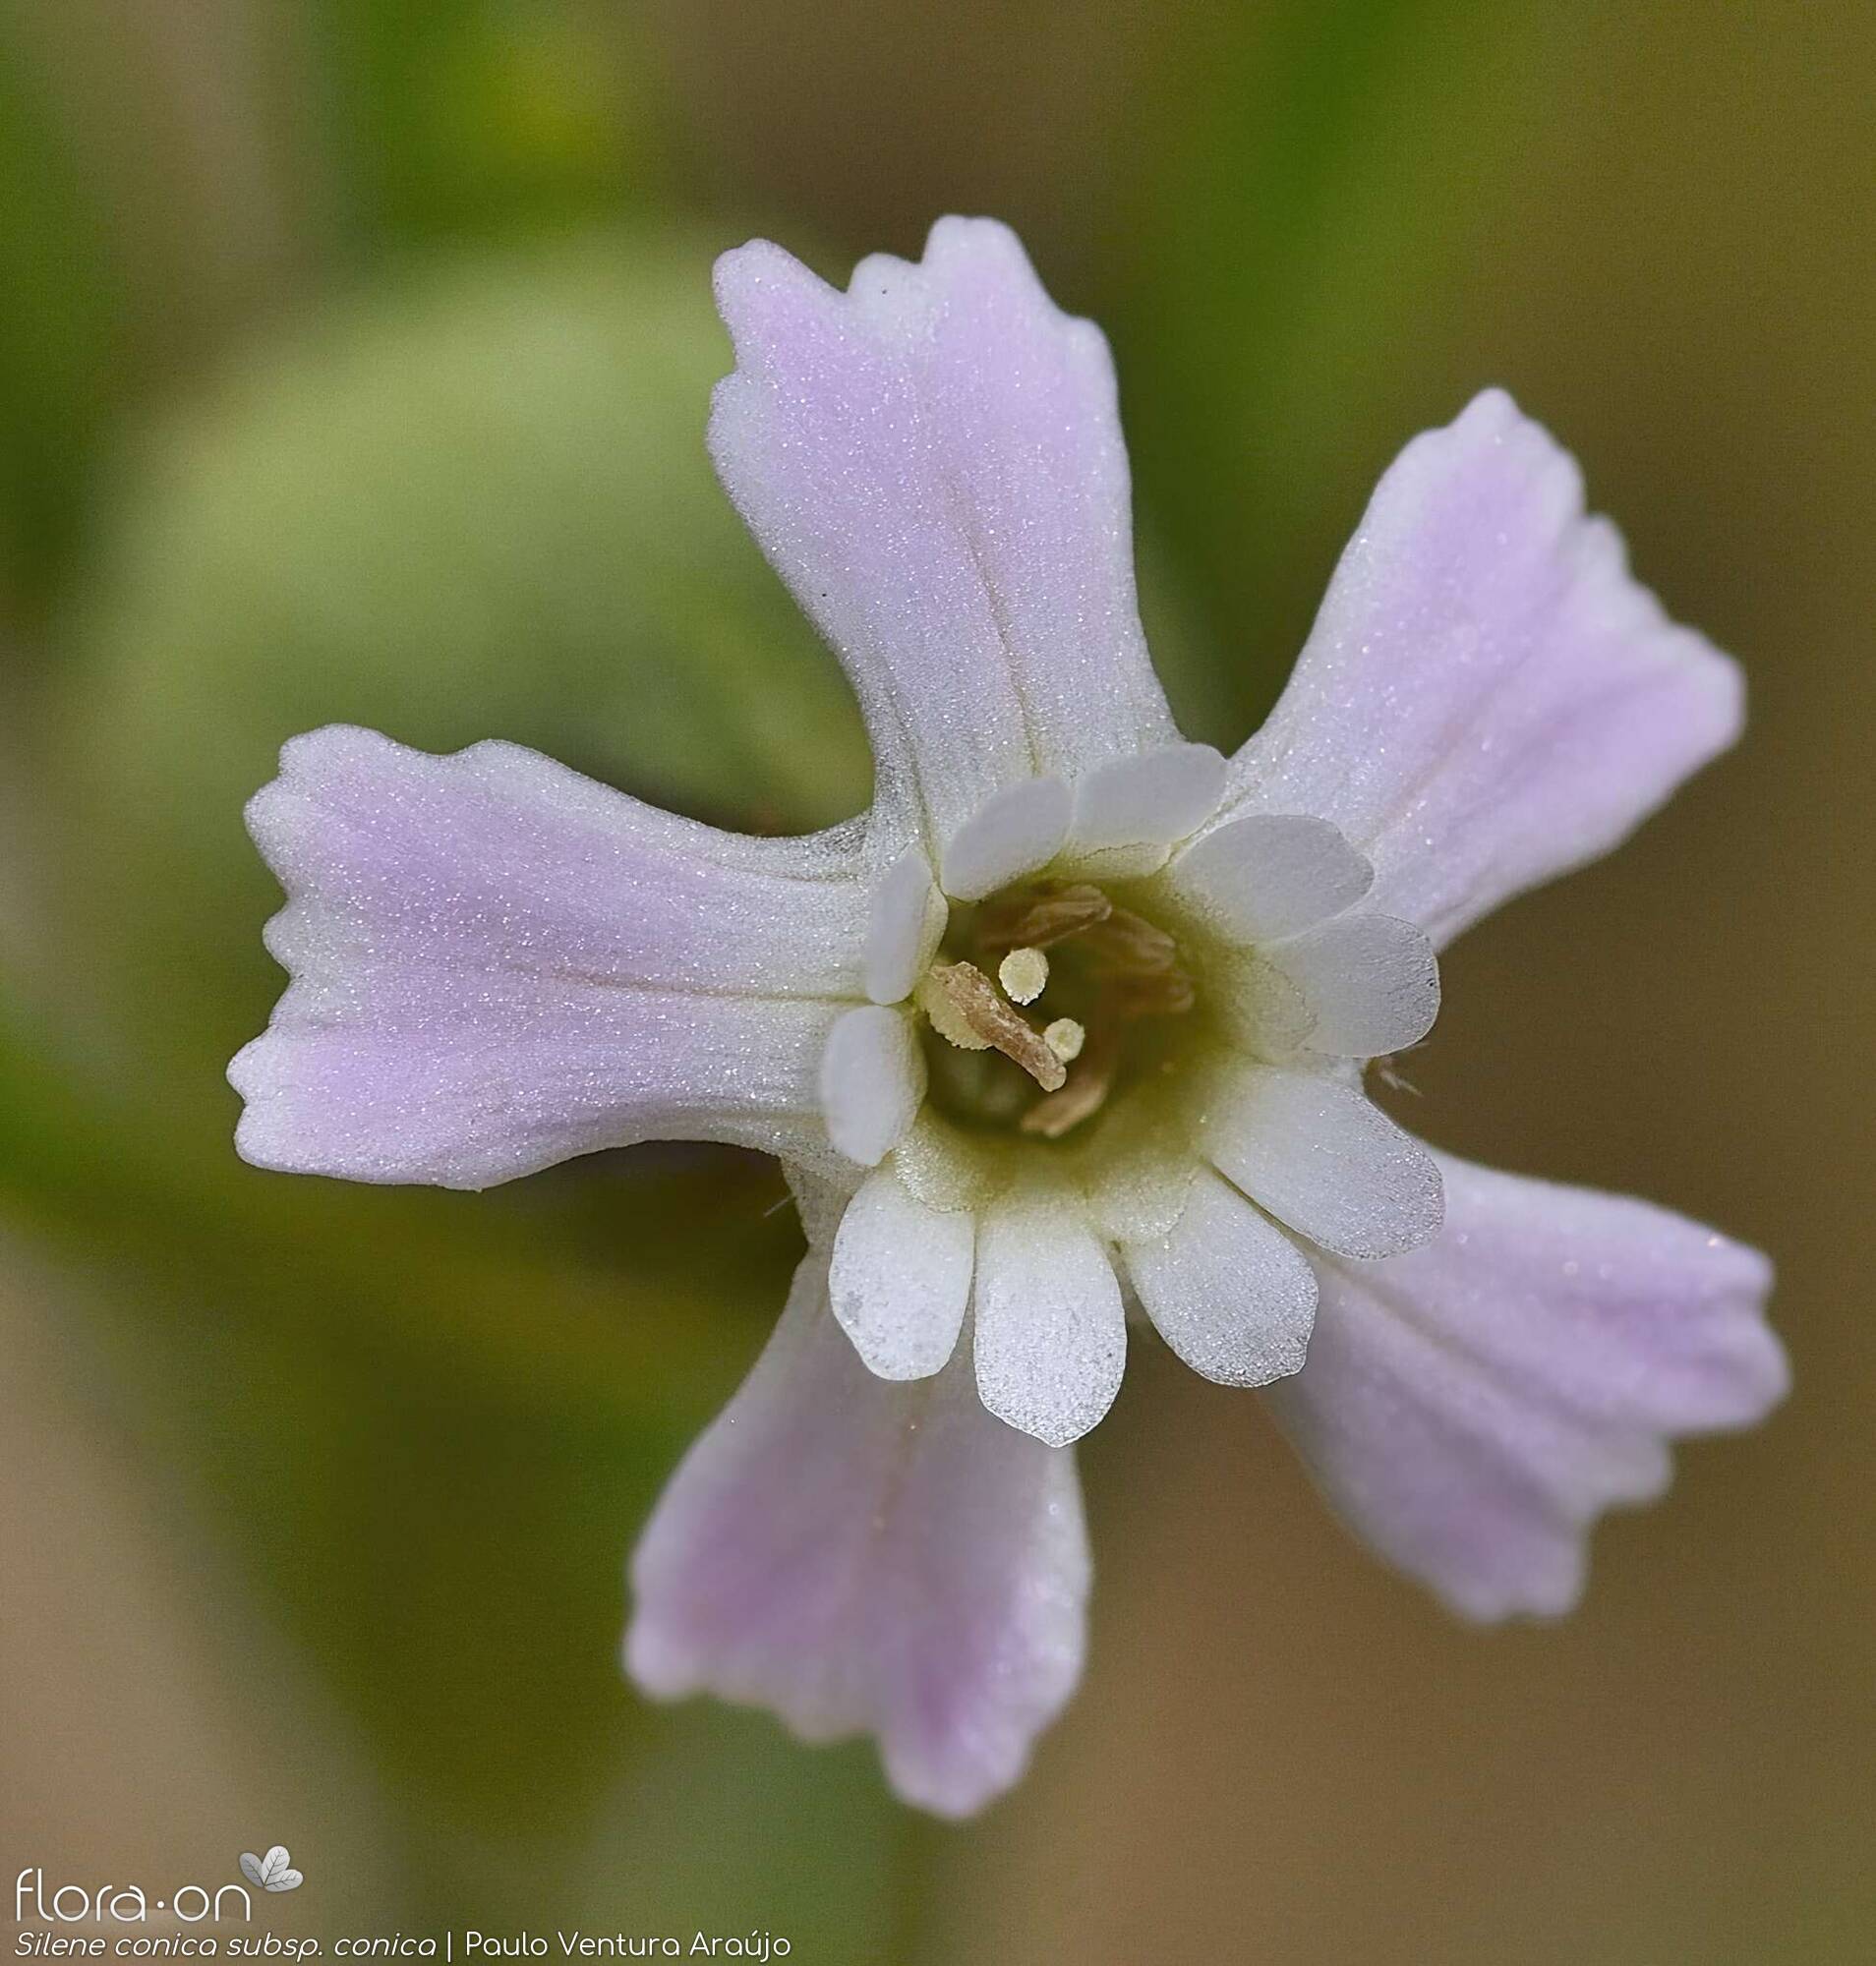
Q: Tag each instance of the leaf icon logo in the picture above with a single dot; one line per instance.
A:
(273, 1872)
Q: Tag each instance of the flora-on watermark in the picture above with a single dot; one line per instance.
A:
(35, 1901)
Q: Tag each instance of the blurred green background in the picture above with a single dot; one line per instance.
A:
(354, 358)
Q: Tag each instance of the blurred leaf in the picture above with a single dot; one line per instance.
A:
(470, 118)
(1308, 178)
(61, 335)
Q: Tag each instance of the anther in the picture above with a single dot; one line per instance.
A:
(947, 1015)
(1023, 974)
(1065, 1038)
(1131, 944)
(1039, 920)
(1080, 1097)
(962, 998)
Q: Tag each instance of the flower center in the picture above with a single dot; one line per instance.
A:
(1043, 1002)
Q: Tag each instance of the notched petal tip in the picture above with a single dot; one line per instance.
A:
(957, 234)
(759, 288)
(1475, 1407)
(1747, 1367)
(1488, 698)
(932, 460)
(859, 1557)
(275, 812)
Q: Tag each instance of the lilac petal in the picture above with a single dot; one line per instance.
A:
(1488, 699)
(933, 462)
(1473, 1406)
(861, 1557)
(498, 964)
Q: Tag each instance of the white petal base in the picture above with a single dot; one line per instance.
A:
(1310, 1148)
(873, 1078)
(1271, 875)
(901, 1277)
(1051, 1330)
(1011, 835)
(1230, 1292)
(1156, 799)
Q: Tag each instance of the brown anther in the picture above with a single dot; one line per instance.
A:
(972, 994)
(1045, 918)
(1169, 994)
(1085, 1094)
(1133, 945)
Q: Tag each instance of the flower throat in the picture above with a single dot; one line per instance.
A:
(1042, 1001)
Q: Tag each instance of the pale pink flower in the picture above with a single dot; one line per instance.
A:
(1072, 1024)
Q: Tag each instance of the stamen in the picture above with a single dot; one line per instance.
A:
(1065, 1038)
(968, 1000)
(1167, 995)
(1085, 1094)
(947, 1018)
(1044, 919)
(1131, 943)
(1111, 968)
(1023, 974)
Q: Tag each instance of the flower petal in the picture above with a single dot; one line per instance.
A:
(1317, 1155)
(873, 1078)
(900, 1278)
(1487, 698)
(1014, 832)
(861, 1557)
(1051, 1331)
(1471, 1408)
(1232, 1295)
(933, 462)
(498, 964)
(1268, 875)
(905, 918)
(1371, 982)
(1157, 797)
